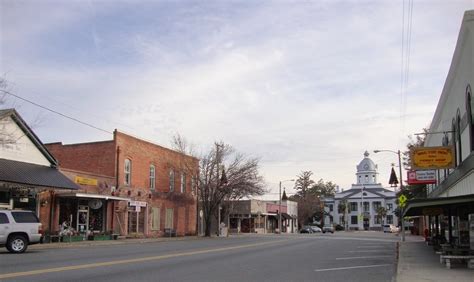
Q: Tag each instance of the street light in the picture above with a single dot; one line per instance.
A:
(279, 209)
(401, 183)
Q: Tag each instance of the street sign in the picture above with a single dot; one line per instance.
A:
(421, 177)
(402, 200)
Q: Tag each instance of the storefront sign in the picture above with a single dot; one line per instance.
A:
(421, 177)
(432, 158)
(137, 204)
(85, 181)
(432, 211)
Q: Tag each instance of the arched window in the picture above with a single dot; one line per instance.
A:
(458, 137)
(452, 142)
(470, 115)
(152, 177)
(128, 171)
(171, 180)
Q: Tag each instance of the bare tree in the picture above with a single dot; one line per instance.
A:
(223, 175)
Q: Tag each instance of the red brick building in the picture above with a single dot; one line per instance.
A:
(159, 183)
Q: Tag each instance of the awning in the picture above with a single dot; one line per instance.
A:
(21, 173)
(435, 206)
(92, 196)
(286, 216)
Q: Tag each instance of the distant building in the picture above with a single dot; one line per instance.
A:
(362, 201)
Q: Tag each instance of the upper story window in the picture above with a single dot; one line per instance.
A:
(171, 180)
(366, 178)
(331, 208)
(183, 182)
(193, 184)
(353, 206)
(458, 137)
(152, 177)
(128, 171)
(470, 114)
(389, 207)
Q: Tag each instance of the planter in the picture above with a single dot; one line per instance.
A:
(101, 237)
(68, 239)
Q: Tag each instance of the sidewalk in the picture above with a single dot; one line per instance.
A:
(418, 262)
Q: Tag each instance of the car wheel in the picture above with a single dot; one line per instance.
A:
(17, 244)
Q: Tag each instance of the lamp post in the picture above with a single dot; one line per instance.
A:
(279, 208)
(401, 184)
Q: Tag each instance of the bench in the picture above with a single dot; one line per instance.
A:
(169, 232)
(447, 259)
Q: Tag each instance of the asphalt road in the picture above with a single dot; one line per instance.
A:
(364, 256)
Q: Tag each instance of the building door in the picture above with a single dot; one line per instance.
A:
(169, 218)
(366, 223)
(82, 219)
(136, 222)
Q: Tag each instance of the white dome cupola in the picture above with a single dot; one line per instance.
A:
(366, 171)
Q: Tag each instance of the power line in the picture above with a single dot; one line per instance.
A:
(56, 112)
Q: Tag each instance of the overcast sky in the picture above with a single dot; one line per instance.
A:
(304, 85)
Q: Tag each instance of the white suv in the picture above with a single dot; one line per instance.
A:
(18, 229)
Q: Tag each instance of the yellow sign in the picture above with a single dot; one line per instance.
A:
(402, 199)
(85, 181)
(432, 158)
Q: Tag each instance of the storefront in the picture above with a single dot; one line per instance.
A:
(136, 217)
(87, 213)
(449, 218)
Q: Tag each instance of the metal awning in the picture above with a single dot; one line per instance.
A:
(15, 173)
(286, 216)
(435, 206)
(92, 196)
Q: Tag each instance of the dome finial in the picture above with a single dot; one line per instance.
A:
(366, 154)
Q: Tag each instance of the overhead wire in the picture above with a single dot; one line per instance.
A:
(56, 112)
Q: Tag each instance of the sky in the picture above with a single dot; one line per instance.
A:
(302, 85)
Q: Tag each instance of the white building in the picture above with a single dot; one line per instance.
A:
(449, 207)
(363, 200)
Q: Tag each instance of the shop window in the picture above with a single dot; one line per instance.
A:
(171, 180)
(155, 218)
(183, 182)
(354, 219)
(152, 177)
(128, 171)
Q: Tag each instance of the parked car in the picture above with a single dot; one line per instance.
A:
(18, 229)
(328, 228)
(306, 229)
(316, 229)
(390, 228)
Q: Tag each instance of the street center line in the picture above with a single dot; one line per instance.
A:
(363, 257)
(135, 260)
(368, 251)
(352, 267)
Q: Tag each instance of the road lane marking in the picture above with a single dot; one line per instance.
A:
(351, 267)
(368, 251)
(363, 257)
(135, 260)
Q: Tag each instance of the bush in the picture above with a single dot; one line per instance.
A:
(339, 227)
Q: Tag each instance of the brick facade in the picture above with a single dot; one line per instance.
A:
(107, 159)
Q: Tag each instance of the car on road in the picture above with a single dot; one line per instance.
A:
(390, 228)
(306, 229)
(328, 228)
(315, 229)
(18, 229)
